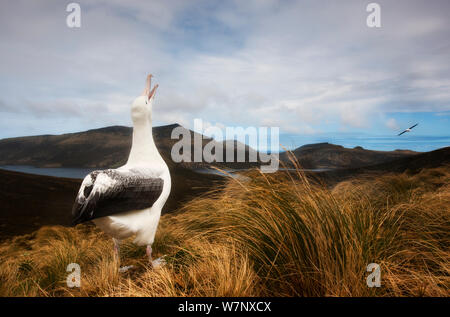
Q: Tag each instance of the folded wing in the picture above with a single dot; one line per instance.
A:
(109, 192)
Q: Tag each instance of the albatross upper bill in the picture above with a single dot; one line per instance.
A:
(128, 200)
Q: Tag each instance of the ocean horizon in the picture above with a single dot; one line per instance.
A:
(419, 143)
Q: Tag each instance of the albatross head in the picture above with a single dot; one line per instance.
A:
(141, 109)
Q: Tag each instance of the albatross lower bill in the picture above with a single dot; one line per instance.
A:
(128, 200)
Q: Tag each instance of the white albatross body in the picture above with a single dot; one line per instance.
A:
(144, 222)
(128, 200)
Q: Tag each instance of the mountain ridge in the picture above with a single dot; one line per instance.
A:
(108, 147)
(333, 156)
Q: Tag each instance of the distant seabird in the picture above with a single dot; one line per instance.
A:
(408, 130)
(128, 200)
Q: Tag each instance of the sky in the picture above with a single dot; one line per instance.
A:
(312, 68)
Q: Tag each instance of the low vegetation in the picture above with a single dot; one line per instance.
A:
(266, 235)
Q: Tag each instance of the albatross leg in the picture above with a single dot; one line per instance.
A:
(116, 248)
(149, 253)
(156, 263)
(117, 256)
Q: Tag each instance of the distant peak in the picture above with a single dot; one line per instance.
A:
(319, 145)
(119, 128)
(114, 128)
(169, 126)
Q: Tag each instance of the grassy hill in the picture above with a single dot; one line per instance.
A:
(409, 164)
(331, 156)
(272, 235)
(29, 202)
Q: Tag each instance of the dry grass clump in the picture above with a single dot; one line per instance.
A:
(307, 240)
(416, 261)
(35, 265)
(203, 269)
(271, 235)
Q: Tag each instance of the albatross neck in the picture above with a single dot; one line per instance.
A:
(143, 149)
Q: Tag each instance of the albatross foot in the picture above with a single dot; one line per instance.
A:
(159, 262)
(124, 269)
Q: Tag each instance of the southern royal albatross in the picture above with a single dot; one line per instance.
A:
(408, 130)
(128, 200)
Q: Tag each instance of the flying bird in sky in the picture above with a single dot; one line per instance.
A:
(408, 130)
(128, 200)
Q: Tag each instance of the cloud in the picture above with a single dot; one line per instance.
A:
(301, 65)
(4, 107)
(392, 124)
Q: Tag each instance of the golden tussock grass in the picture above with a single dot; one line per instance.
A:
(268, 235)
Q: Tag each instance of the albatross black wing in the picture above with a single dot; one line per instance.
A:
(401, 133)
(413, 126)
(105, 193)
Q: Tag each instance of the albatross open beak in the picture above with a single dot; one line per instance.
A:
(147, 92)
